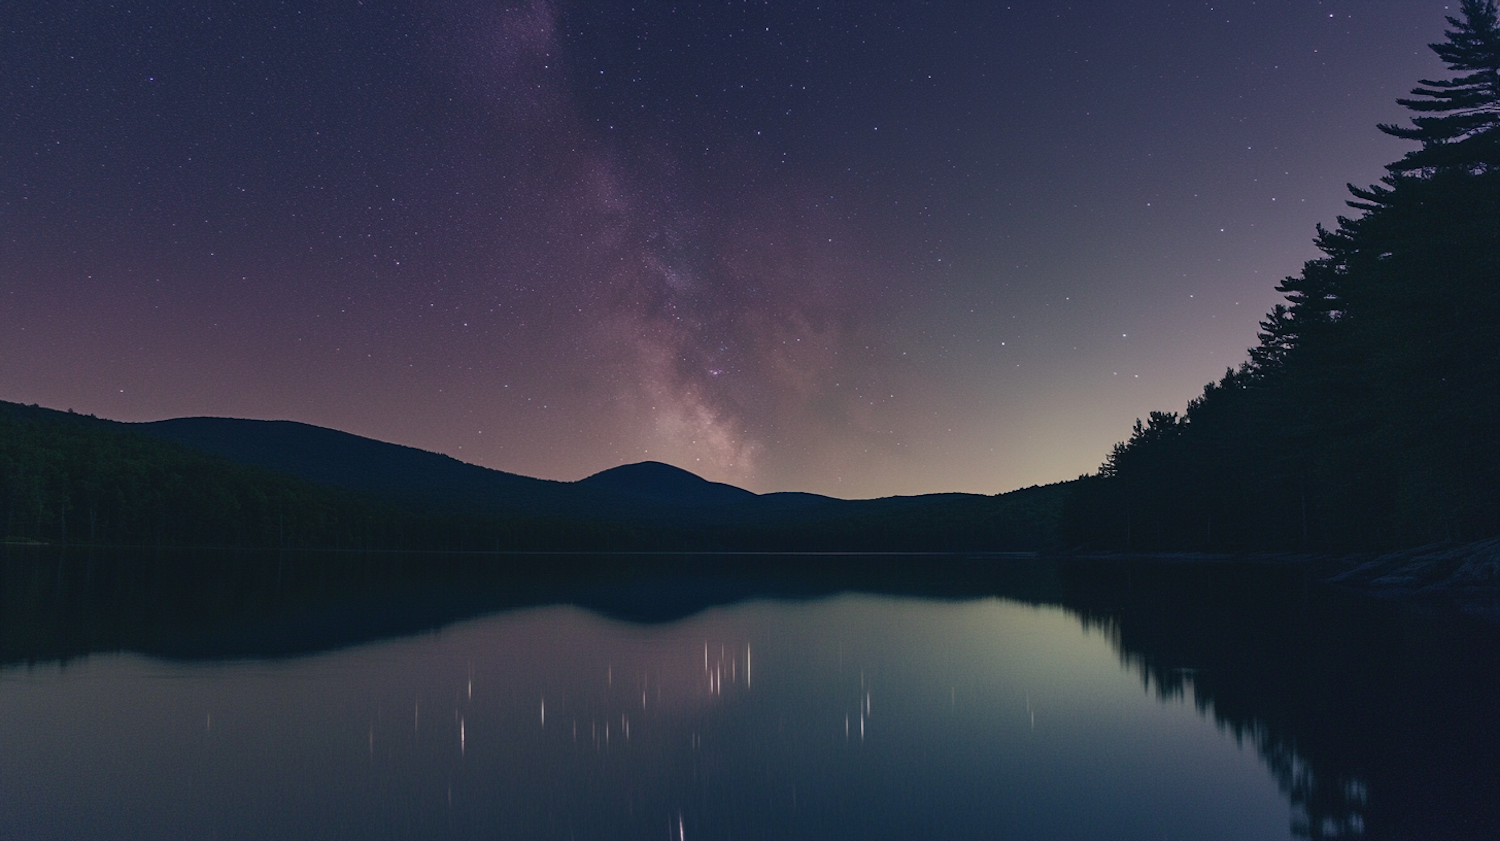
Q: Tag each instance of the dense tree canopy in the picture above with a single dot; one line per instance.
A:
(1366, 416)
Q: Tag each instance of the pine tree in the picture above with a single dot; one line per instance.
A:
(1463, 129)
(1389, 340)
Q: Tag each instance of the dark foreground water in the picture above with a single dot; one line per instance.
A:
(229, 696)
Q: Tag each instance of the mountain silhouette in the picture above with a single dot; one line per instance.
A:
(191, 484)
(665, 483)
(647, 491)
(391, 471)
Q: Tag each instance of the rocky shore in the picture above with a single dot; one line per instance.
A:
(1463, 576)
(1448, 577)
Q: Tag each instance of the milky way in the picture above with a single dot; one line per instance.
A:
(861, 251)
(722, 332)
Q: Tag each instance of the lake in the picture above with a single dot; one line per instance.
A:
(242, 695)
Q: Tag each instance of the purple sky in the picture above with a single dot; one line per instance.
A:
(859, 249)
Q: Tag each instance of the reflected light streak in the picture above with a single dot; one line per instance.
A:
(525, 770)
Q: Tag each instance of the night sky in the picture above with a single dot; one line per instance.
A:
(858, 249)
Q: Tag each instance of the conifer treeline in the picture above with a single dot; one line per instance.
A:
(1369, 414)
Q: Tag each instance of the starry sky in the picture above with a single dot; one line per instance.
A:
(858, 249)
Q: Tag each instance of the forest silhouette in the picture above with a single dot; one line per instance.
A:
(1366, 416)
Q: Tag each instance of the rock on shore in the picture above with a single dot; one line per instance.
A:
(1465, 575)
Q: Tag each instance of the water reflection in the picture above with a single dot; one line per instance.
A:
(1247, 702)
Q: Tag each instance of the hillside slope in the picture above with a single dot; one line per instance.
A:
(233, 482)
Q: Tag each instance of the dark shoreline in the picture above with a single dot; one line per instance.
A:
(1444, 577)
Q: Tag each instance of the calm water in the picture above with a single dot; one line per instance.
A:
(815, 697)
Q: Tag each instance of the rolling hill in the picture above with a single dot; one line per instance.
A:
(61, 464)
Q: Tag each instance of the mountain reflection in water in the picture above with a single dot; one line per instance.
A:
(1373, 720)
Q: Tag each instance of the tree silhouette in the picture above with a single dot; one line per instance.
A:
(1458, 117)
(1364, 417)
